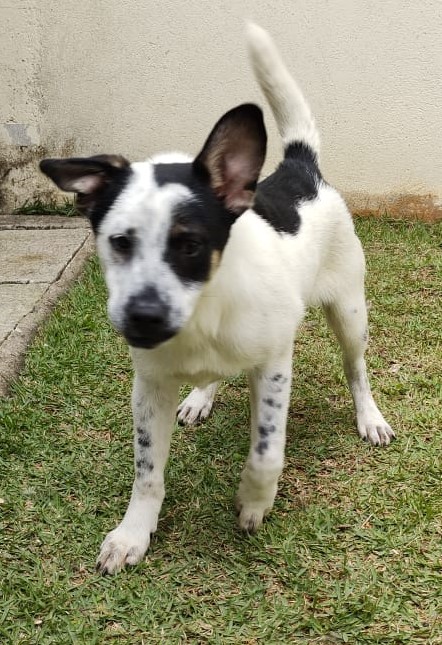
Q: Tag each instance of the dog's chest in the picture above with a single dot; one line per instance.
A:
(199, 363)
(215, 347)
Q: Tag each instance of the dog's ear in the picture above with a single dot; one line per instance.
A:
(233, 155)
(87, 177)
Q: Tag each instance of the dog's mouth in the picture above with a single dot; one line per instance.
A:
(150, 340)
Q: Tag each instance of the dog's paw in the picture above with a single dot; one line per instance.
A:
(121, 547)
(377, 431)
(196, 407)
(251, 516)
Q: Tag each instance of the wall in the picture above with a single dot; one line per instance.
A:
(140, 76)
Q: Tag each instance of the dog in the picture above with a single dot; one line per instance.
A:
(209, 273)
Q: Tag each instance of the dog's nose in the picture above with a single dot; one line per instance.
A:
(143, 314)
(147, 320)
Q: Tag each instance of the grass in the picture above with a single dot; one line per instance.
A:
(47, 207)
(352, 552)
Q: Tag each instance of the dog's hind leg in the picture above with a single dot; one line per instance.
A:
(269, 399)
(198, 405)
(347, 316)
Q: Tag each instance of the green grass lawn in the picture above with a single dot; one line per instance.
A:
(352, 552)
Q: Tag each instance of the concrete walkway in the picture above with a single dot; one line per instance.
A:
(39, 258)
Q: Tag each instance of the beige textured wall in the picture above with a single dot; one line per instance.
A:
(140, 76)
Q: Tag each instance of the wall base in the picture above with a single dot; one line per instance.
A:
(426, 208)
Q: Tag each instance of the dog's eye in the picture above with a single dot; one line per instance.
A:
(191, 248)
(121, 243)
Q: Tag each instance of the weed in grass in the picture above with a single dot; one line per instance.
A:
(37, 207)
(352, 552)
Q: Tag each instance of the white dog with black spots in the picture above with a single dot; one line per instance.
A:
(210, 273)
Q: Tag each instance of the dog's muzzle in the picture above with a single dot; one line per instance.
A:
(147, 320)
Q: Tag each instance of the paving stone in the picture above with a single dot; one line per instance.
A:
(40, 257)
(37, 256)
(17, 300)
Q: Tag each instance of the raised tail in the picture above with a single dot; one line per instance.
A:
(290, 109)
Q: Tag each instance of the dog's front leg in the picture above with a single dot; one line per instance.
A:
(153, 406)
(269, 399)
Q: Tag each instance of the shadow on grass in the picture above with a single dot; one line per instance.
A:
(202, 480)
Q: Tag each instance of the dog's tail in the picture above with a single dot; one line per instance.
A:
(290, 109)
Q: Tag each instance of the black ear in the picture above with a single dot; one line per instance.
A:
(233, 156)
(87, 177)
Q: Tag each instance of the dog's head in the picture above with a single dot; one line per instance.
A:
(161, 225)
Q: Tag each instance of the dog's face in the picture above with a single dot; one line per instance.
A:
(161, 225)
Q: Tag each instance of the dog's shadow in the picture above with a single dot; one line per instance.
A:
(201, 488)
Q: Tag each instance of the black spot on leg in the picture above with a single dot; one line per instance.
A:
(266, 429)
(144, 438)
(279, 378)
(276, 382)
(262, 447)
(272, 403)
(144, 441)
(144, 464)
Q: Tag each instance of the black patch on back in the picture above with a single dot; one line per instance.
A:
(295, 180)
(203, 220)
